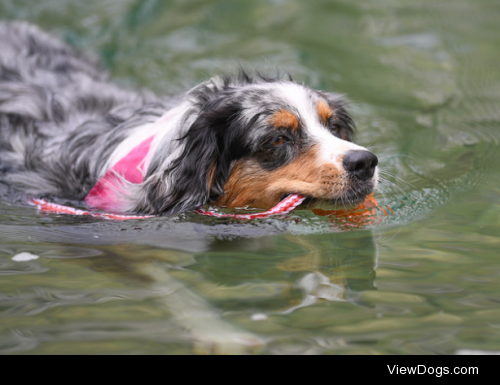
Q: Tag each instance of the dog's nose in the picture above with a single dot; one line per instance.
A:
(361, 164)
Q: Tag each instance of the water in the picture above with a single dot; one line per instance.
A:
(424, 80)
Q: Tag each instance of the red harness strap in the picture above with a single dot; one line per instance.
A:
(285, 207)
(47, 207)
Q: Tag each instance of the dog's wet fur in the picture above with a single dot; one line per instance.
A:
(241, 141)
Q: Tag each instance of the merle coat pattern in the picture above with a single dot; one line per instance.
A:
(62, 122)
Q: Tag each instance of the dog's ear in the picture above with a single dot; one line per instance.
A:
(346, 124)
(202, 166)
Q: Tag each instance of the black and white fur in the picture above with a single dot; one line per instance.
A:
(63, 125)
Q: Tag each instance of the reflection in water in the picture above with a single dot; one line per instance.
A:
(331, 267)
(337, 266)
(192, 292)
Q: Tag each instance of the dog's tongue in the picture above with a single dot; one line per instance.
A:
(284, 207)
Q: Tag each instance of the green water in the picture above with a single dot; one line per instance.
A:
(424, 78)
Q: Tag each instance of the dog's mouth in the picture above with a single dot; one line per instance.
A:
(345, 201)
(353, 194)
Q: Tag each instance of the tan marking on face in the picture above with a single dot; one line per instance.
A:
(285, 119)
(325, 112)
(249, 185)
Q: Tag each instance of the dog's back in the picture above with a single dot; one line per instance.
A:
(52, 96)
(39, 76)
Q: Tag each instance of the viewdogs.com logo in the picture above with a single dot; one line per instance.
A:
(430, 370)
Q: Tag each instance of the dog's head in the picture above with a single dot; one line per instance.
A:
(253, 141)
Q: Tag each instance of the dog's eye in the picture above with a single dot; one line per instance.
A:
(335, 128)
(279, 140)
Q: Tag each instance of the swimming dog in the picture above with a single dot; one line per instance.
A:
(233, 141)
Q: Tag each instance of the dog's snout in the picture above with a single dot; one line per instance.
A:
(361, 164)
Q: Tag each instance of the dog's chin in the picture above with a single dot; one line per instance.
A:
(347, 201)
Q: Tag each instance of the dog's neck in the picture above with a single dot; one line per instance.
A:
(130, 161)
(106, 193)
(165, 128)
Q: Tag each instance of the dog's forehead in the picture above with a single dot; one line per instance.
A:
(287, 99)
(297, 97)
(281, 95)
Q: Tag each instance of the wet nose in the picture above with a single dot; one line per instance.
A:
(361, 164)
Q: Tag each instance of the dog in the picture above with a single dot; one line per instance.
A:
(233, 141)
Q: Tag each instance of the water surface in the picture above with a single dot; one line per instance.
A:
(424, 81)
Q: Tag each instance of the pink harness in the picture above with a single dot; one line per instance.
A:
(131, 168)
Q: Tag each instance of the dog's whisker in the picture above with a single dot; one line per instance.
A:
(408, 185)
